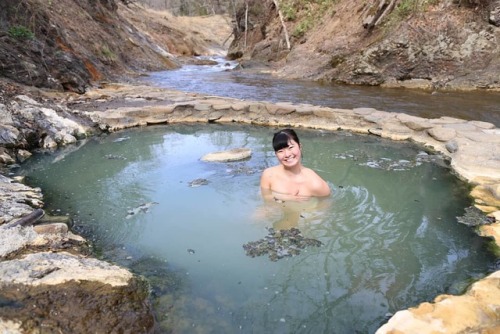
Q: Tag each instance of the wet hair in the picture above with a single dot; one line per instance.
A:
(283, 137)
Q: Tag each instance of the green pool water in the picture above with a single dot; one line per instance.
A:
(389, 233)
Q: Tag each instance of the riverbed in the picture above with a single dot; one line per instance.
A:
(225, 79)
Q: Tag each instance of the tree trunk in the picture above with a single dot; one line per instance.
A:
(246, 24)
(283, 24)
(384, 7)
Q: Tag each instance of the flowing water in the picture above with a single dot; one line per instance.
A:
(219, 80)
(389, 233)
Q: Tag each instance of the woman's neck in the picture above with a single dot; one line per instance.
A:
(294, 170)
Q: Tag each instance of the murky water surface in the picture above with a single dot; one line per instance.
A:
(217, 80)
(389, 232)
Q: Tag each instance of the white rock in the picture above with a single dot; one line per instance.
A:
(56, 268)
(229, 155)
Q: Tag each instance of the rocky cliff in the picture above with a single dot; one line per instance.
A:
(438, 44)
(69, 45)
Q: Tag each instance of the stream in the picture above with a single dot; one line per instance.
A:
(220, 80)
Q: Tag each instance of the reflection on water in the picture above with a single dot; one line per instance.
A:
(217, 80)
(389, 235)
(289, 211)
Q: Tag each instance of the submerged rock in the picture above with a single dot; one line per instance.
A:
(114, 157)
(280, 244)
(198, 182)
(141, 208)
(475, 217)
(242, 169)
(118, 140)
(76, 307)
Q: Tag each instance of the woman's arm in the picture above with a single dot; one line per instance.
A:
(265, 185)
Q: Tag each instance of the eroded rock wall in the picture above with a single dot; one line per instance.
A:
(415, 44)
(47, 279)
(71, 45)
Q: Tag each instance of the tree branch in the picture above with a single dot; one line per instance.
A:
(283, 24)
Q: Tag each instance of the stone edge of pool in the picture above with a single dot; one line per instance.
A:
(53, 256)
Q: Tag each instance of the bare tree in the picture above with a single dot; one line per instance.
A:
(287, 39)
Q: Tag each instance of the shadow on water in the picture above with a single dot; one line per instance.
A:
(218, 80)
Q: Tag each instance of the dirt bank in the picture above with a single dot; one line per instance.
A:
(72, 45)
(416, 44)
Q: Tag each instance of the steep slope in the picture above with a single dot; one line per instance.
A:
(437, 44)
(69, 44)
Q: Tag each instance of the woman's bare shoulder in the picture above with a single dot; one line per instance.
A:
(318, 185)
(267, 176)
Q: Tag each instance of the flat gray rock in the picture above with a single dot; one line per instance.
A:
(235, 154)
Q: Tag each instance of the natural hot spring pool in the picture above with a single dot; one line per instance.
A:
(390, 235)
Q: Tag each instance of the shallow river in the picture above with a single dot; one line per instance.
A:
(218, 80)
(389, 233)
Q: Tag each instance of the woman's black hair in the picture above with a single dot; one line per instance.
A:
(282, 138)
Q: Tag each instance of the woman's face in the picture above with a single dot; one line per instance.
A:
(289, 156)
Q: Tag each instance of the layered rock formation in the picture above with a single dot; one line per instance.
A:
(444, 45)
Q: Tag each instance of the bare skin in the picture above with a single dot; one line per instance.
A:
(290, 180)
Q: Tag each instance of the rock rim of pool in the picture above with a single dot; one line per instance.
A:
(471, 147)
(235, 154)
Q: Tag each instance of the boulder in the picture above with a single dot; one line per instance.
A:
(494, 17)
(59, 268)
